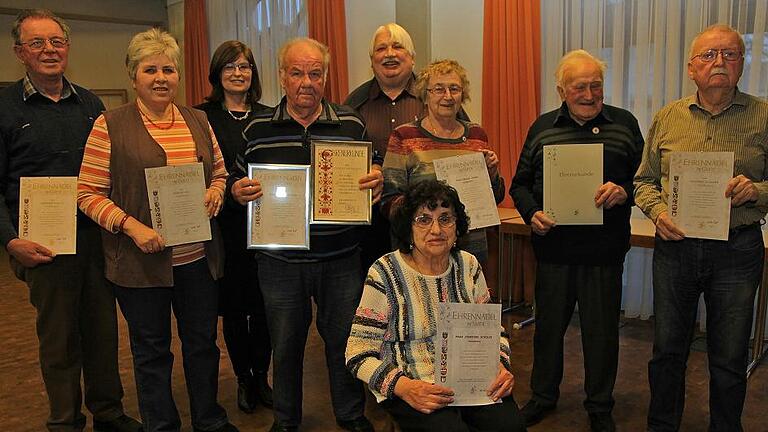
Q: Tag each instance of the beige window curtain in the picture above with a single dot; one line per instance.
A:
(646, 44)
(263, 25)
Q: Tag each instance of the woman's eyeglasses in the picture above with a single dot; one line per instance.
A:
(426, 221)
(229, 68)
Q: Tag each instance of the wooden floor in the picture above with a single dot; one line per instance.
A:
(23, 404)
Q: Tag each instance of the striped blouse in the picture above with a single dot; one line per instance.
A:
(395, 325)
(95, 180)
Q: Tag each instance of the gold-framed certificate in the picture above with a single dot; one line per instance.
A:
(572, 175)
(467, 350)
(177, 203)
(337, 167)
(697, 201)
(48, 212)
(468, 174)
(279, 219)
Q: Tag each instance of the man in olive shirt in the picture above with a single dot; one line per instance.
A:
(717, 118)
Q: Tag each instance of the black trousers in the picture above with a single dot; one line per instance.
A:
(597, 290)
(485, 418)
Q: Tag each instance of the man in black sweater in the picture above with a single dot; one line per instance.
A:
(579, 263)
(44, 123)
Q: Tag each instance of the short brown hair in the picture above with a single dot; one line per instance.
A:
(442, 67)
(37, 14)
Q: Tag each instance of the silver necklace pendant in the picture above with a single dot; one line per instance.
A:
(243, 117)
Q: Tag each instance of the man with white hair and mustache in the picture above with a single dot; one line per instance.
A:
(718, 117)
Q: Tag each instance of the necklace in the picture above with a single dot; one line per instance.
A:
(173, 119)
(450, 132)
(243, 117)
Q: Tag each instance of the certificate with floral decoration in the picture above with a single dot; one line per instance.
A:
(336, 170)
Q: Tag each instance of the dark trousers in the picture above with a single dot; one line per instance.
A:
(727, 273)
(194, 300)
(597, 289)
(503, 417)
(77, 330)
(376, 241)
(241, 306)
(288, 290)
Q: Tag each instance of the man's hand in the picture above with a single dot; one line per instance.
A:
(541, 223)
(491, 162)
(145, 238)
(213, 202)
(423, 396)
(29, 253)
(609, 195)
(246, 190)
(373, 180)
(502, 386)
(666, 229)
(741, 190)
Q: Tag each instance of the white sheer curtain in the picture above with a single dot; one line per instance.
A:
(646, 43)
(264, 25)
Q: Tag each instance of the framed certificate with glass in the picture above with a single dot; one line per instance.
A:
(279, 219)
(336, 169)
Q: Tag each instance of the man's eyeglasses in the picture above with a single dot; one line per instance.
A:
(229, 68)
(426, 221)
(440, 90)
(39, 43)
(710, 55)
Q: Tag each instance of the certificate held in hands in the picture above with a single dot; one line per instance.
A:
(279, 219)
(697, 201)
(48, 212)
(177, 203)
(467, 350)
(336, 169)
(468, 174)
(572, 175)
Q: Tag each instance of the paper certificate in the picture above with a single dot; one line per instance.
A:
(572, 175)
(467, 350)
(697, 201)
(337, 167)
(468, 174)
(279, 219)
(48, 212)
(177, 203)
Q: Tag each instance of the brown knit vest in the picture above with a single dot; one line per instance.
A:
(134, 149)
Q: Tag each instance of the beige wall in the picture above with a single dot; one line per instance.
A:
(97, 55)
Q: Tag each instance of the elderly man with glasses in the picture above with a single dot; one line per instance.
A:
(44, 123)
(717, 118)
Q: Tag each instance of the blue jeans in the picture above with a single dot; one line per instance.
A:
(194, 299)
(727, 273)
(288, 290)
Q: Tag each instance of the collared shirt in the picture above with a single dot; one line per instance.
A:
(382, 114)
(67, 89)
(684, 125)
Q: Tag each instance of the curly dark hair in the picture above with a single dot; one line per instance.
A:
(430, 193)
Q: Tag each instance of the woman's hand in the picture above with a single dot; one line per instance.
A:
(213, 202)
(374, 180)
(491, 162)
(502, 386)
(423, 396)
(246, 190)
(145, 238)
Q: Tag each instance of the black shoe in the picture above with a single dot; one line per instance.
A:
(360, 424)
(246, 397)
(279, 427)
(262, 390)
(533, 412)
(602, 422)
(228, 427)
(120, 424)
